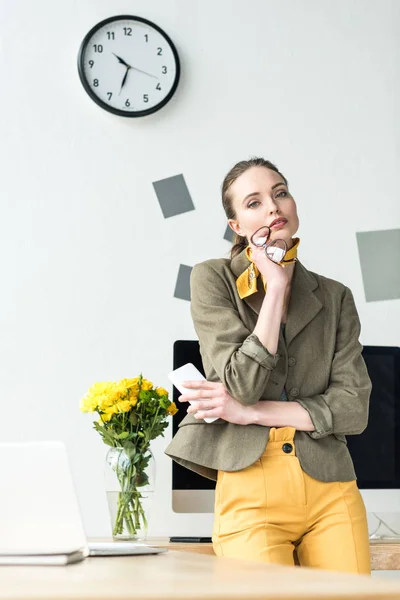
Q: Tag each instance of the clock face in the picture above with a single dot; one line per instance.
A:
(128, 66)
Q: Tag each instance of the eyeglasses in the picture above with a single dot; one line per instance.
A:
(275, 250)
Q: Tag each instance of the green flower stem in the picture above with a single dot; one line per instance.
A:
(129, 508)
(128, 517)
(152, 425)
(117, 518)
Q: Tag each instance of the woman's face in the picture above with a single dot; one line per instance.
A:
(259, 197)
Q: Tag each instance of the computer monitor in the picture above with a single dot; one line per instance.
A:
(375, 452)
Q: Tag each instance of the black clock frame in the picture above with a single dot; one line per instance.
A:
(88, 88)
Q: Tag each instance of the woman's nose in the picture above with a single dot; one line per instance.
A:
(271, 205)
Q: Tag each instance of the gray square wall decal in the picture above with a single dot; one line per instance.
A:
(229, 234)
(182, 288)
(379, 257)
(173, 196)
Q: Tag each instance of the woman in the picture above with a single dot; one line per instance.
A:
(287, 381)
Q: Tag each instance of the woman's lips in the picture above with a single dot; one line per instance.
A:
(279, 225)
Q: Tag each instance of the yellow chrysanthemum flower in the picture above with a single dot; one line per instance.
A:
(133, 400)
(120, 391)
(172, 410)
(105, 417)
(161, 391)
(146, 385)
(88, 404)
(130, 383)
(101, 388)
(97, 396)
(105, 403)
(123, 405)
(91, 401)
(111, 410)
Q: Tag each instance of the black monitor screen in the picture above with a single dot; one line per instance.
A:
(375, 452)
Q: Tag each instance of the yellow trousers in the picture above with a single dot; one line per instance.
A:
(272, 507)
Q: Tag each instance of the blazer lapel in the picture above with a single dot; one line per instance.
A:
(303, 304)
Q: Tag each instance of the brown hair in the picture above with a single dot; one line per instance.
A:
(240, 242)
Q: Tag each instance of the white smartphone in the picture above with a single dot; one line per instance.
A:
(188, 372)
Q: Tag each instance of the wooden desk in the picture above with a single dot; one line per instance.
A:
(384, 555)
(186, 576)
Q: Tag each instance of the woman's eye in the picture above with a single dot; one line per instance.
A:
(282, 192)
(253, 203)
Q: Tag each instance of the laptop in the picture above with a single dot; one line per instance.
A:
(40, 520)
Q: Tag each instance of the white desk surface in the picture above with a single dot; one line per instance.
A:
(185, 575)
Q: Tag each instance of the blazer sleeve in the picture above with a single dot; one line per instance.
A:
(343, 408)
(238, 357)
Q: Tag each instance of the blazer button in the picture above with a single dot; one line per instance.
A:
(287, 448)
(291, 361)
(294, 392)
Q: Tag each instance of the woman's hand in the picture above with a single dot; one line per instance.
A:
(215, 402)
(274, 274)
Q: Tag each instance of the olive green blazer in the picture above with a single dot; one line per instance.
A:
(318, 360)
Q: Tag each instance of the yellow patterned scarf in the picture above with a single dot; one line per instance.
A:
(246, 283)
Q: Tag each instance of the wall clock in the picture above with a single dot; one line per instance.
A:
(128, 66)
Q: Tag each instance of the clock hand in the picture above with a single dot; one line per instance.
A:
(121, 60)
(124, 79)
(136, 69)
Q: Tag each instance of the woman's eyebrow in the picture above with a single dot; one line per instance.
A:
(250, 195)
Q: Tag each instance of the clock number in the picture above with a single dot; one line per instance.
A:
(164, 70)
(145, 97)
(109, 94)
(111, 35)
(146, 37)
(98, 48)
(159, 51)
(158, 86)
(127, 103)
(96, 82)
(127, 30)
(91, 63)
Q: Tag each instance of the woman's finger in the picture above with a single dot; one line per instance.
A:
(202, 414)
(198, 394)
(202, 405)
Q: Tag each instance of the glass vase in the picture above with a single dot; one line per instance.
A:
(129, 482)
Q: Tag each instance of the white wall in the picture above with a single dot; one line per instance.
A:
(86, 294)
